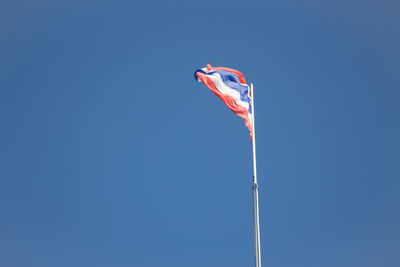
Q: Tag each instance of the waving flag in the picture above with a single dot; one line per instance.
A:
(229, 85)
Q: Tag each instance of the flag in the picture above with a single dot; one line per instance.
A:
(229, 85)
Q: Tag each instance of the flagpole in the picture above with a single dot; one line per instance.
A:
(257, 247)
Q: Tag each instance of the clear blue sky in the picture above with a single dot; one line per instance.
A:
(112, 155)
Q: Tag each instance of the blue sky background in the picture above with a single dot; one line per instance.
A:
(112, 155)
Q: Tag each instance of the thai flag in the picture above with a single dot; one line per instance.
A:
(229, 85)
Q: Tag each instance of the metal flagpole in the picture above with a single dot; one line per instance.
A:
(257, 247)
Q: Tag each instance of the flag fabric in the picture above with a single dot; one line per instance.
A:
(229, 85)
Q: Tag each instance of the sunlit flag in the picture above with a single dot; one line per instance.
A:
(229, 85)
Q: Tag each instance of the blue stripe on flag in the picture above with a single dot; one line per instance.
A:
(232, 81)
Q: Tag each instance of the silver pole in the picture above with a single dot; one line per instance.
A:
(257, 247)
